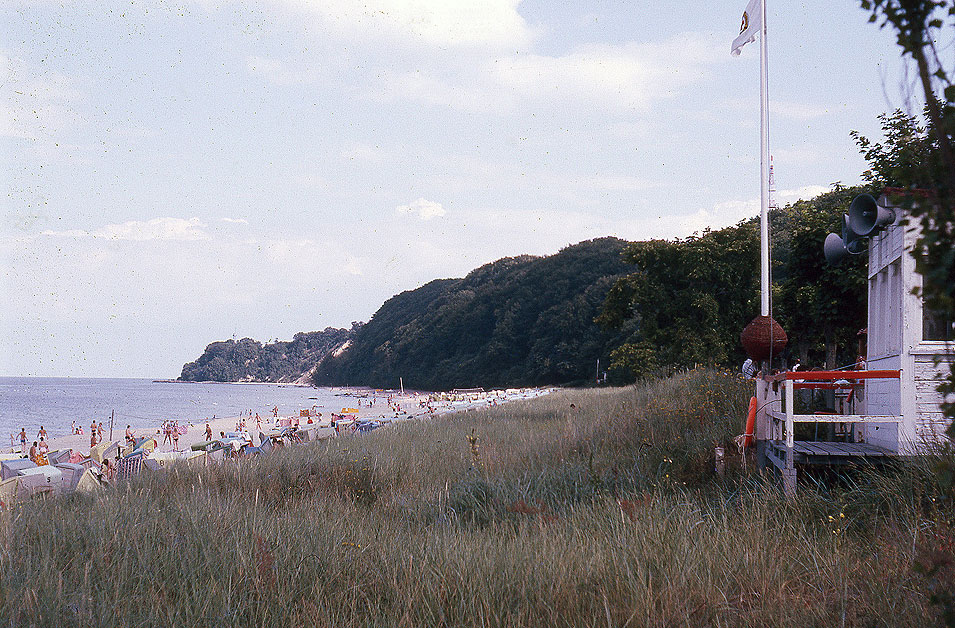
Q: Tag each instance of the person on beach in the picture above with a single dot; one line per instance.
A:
(23, 441)
(108, 470)
(166, 433)
(73, 427)
(92, 438)
(258, 422)
(33, 453)
(99, 432)
(208, 432)
(41, 433)
(175, 437)
(93, 427)
(129, 436)
(44, 448)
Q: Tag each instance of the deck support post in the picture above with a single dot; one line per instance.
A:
(789, 472)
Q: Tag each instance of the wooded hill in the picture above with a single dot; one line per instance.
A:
(250, 360)
(641, 308)
(519, 321)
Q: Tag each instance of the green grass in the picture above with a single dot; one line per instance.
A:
(583, 508)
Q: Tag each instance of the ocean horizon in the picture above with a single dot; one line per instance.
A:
(56, 402)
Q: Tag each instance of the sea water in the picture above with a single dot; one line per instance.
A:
(54, 403)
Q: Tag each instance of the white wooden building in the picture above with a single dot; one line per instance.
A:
(891, 408)
(903, 336)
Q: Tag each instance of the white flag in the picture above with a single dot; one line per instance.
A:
(751, 25)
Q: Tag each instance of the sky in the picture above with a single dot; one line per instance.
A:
(176, 173)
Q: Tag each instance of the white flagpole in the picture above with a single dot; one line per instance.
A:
(763, 167)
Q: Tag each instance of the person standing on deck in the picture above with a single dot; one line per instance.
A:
(748, 369)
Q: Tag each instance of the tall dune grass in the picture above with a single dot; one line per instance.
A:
(584, 508)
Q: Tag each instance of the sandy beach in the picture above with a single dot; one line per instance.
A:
(370, 404)
(362, 403)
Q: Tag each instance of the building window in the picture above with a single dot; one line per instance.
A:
(936, 325)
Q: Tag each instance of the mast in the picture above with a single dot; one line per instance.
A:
(764, 166)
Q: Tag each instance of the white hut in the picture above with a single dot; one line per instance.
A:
(892, 407)
(907, 337)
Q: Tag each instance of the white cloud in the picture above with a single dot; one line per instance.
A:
(631, 75)
(238, 221)
(615, 77)
(430, 22)
(424, 209)
(164, 228)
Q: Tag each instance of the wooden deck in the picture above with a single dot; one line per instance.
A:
(814, 453)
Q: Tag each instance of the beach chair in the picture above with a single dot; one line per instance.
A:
(10, 468)
(42, 480)
(129, 466)
(89, 482)
(104, 450)
(152, 465)
(71, 475)
(9, 492)
(59, 456)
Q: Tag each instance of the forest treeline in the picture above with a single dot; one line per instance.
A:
(639, 308)
(519, 321)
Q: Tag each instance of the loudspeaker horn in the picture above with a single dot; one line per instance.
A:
(867, 217)
(851, 238)
(834, 249)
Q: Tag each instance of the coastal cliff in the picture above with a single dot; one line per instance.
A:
(249, 360)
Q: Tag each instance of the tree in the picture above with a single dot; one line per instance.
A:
(929, 163)
(688, 300)
(815, 300)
